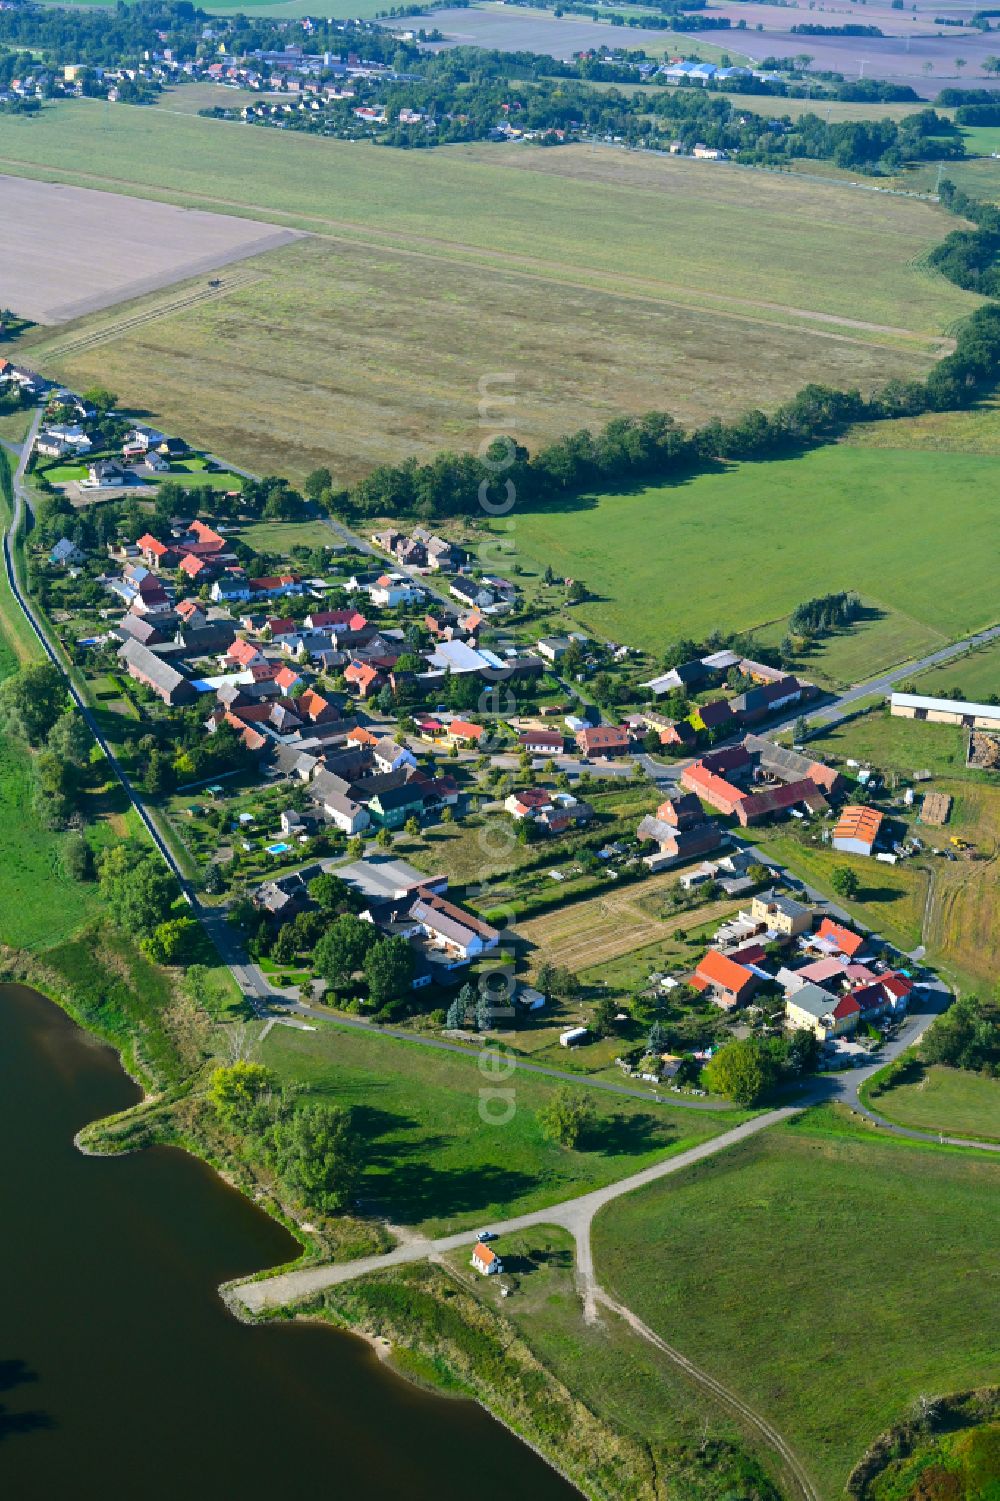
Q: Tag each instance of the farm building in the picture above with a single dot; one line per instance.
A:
(856, 830)
(946, 711)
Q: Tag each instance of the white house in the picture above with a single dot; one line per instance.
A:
(388, 756)
(393, 589)
(485, 1260)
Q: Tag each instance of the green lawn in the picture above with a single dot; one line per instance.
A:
(281, 536)
(945, 1099)
(902, 745)
(975, 676)
(744, 546)
(828, 1276)
(435, 1162)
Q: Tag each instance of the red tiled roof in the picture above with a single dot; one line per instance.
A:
(148, 543)
(191, 565)
(858, 822)
(847, 942)
(717, 969)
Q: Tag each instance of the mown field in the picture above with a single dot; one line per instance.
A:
(827, 1276)
(737, 287)
(945, 1099)
(436, 1161)
(741, 548)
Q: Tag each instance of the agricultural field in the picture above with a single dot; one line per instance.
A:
(435, 1162)
(69, 251)
(830, 1340)
(586, 934)
(349, 378)
(922, 563)
(951, 1100)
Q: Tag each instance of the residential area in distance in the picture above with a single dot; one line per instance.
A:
(500, 750)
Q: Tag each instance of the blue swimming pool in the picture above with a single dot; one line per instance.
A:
(278, 849)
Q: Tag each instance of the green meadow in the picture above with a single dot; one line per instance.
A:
(827, 1276)
(436, 1160)
(951, 1100)
(742, 546)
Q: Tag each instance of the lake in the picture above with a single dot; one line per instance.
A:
(122, 1374)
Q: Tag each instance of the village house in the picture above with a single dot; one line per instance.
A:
(390, 756)
(781, 914)
(485, 1260)
(537, 742)
(818, 1011)
(604, 740)
(726, 982)
(144, 666)
(450, 927)
(66, 554)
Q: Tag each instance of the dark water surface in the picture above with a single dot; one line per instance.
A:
(121, 1373)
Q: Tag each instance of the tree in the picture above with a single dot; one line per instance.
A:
(318, 481)
(658, 1039)
(566, 1116)
(31, 700)
(179, 940)
(70, 739)
(236, 1089)
(101, 399)
(78, 858)
(318, 1151)
(604, 1016)
(138, 889)
(966, 1036)
(355, 847)
(332, 894)
(802, 1056)
(455, 1015)
(388, 969)
(742, 1071)
(160, 777)
(758, 874)
(384, 838)
(342, 949)
(845, 881)
(412, 826)
(484, 1010)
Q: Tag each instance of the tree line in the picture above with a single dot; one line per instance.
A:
(654, 448)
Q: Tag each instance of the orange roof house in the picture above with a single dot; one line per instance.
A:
(730, 983)
(845, 942)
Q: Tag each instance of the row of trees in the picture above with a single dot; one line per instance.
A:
(655, 447)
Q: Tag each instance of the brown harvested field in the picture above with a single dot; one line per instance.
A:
(67, 252)
(607, 926)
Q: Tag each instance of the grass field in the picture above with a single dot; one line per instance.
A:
(946, 1099)
(407, 241)
(806, 1269)
(900, 745)
(760, 538)
(976, 676)
(435, 1161)
(974, 431)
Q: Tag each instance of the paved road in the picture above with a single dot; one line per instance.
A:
(575, 1216)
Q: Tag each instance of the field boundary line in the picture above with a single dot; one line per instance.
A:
(87, 340)
(928, 345)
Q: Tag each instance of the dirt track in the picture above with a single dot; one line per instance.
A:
(70, 251)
